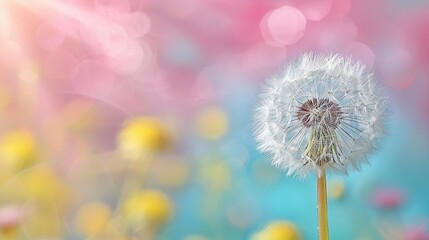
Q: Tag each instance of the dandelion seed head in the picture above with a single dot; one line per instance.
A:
(320, 112)
(315, 112)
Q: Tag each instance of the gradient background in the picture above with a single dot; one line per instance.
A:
(73, 71)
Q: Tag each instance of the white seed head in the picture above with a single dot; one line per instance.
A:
(322, 112)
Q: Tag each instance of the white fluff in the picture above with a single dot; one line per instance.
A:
(283, 137)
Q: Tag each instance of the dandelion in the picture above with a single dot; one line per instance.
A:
(322, 112)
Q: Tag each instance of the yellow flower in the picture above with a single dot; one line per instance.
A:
(143, 135)
(150, 207)
(195, 237)
(18, 150)
(212, 123)
(92, 218)
(215, 175)
(279, 230)
(336, 189)
(43, 184)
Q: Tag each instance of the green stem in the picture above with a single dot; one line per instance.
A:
(322, 207)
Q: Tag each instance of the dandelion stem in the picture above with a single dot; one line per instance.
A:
(322, 207)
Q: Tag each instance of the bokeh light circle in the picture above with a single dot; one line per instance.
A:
(93, 39)
(340, 8)
(387, 198)
(361, 52)
(139, 24)
(398, 69)
(212, 123)
(93, 78)
(283, 26)
(115, 40)
(49, 36)
(112, 7)
(58, 64)
(5, 25)
(131, 59)
(332, 35)
(315, 10)
(11, 54)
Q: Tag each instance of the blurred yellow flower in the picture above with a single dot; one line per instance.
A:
(18, 150)
(215, 175)
(143, 135)
(336, 189)
(212, 123)
(148, 207)
(278, 230)
(43, 184)
(92, 218)
(195, 237)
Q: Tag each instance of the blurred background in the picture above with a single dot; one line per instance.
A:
(130, 119)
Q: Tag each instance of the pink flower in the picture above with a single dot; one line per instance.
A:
(10, 216)
(387, 198)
